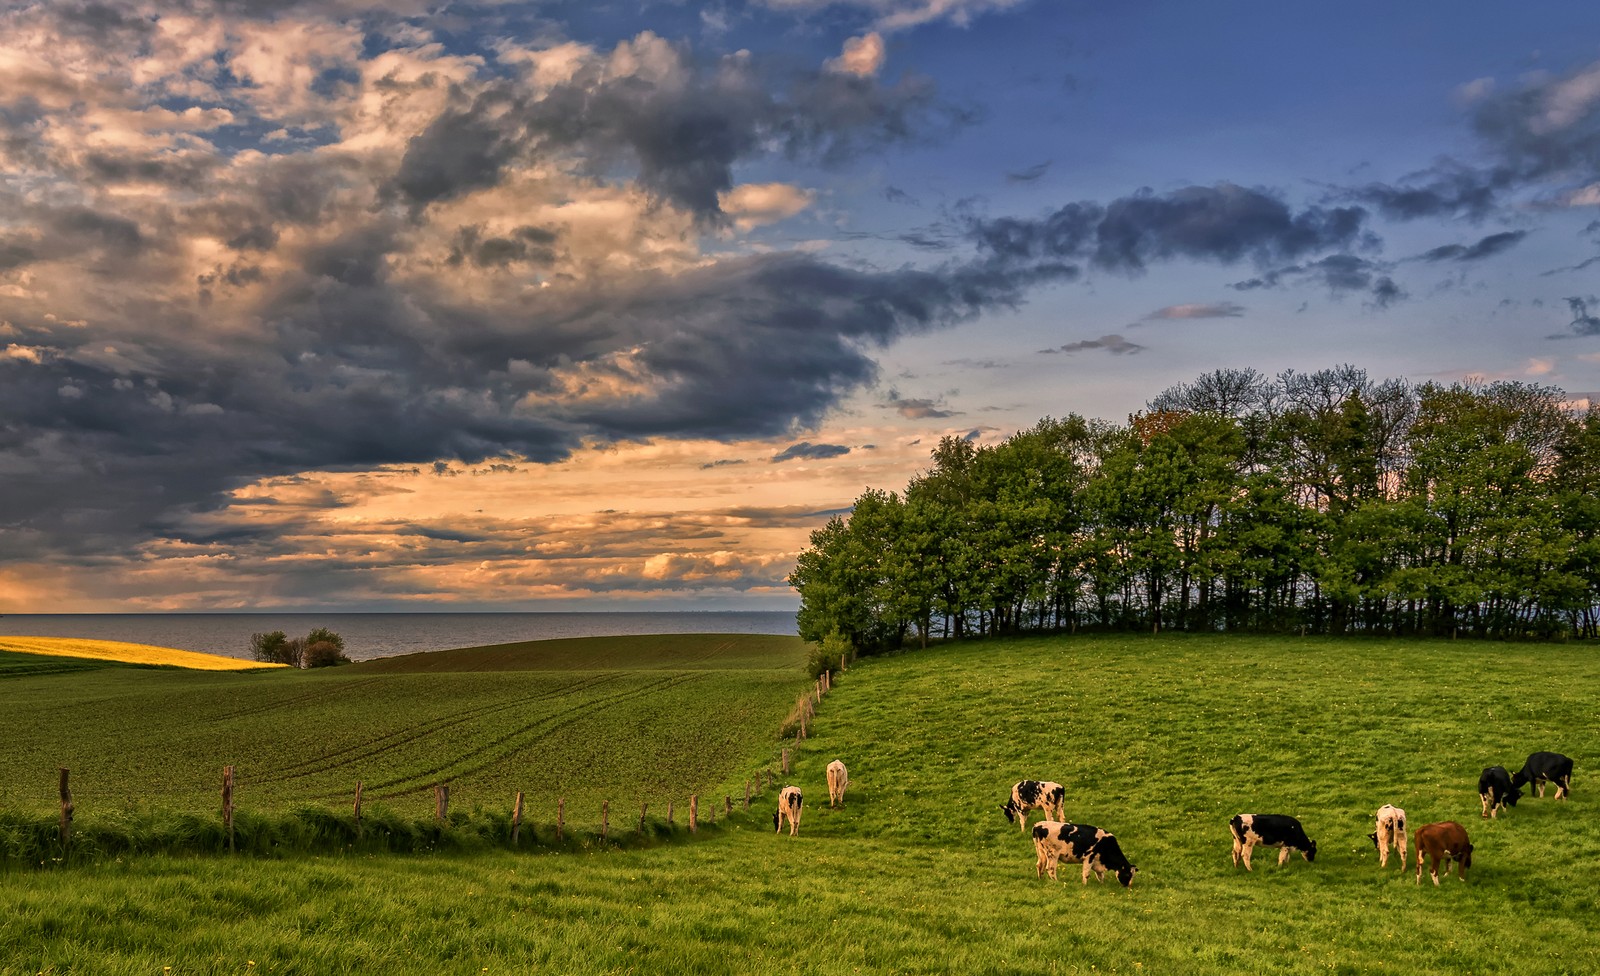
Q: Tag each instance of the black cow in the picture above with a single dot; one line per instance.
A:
(1496, 791)
(1099, 851)
(1543, 767)
(1032, 794)
(1269, 830)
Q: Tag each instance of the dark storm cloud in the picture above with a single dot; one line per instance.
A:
(354, 370)
(683, 134)
(1339, 273)
(807, 451)
(1484, 248)
(1225, 223)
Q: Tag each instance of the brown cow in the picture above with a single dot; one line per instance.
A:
(1444, 842)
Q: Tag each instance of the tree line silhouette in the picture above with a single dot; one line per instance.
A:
(1322, 502)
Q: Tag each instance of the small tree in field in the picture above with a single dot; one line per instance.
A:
(274, 648)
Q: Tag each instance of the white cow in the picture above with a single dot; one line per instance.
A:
(838, 779)
(1391, 832)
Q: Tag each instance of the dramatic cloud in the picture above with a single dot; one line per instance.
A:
(681, 122)
(807, 451)
(756, 204)
(1484, 248)
(1114, 344)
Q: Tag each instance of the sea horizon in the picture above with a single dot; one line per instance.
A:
(370, 634)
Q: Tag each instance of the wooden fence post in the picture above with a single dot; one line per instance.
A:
(670, 811)
(727, 805)
(605, 819)
(516, 820)
(357, 808)
(227, 803)
(641, 816)
(561, 816)
(769, 778)
(841, 662)
(441, 801)
(694, 812)
(66, 811)
(785, 762)
(747, 794)
(802, 725)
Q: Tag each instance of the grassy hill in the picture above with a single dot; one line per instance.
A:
(1157, 739)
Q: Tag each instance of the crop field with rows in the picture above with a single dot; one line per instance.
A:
(628, 720)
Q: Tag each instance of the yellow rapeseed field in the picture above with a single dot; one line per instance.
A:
(104, 650)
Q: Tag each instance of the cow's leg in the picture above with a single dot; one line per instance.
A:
(1485, 798)
(1283, 855)
(1563, 787)
(1433, 870)
(1088, 865)
(1419, 867)
(1055, 859)
(1383, 845)
(1538, 786)
(1400, 842)
(1248, 847)
(1237, 847)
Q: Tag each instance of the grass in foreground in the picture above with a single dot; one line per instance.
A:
(125, 653)
(1157, 739)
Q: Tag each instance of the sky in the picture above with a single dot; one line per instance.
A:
(410, 305)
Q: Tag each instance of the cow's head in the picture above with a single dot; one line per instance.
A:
(1512, 797)
(1374, 838)
(1125, 875)
(775, 815)
(1465, 857)
(1010, 810)
(1310, 853)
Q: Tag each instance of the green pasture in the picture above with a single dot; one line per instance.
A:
(1158, 739)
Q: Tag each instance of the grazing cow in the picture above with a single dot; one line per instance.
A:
(1032, 794)
(1391, 831)
(788, 806)
(1099, 851)
(1543, 767)
(1496, 791)
(838, 779)
(1269, 830)
(1444, 842)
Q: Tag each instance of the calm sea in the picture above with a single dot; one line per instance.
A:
(370, 635)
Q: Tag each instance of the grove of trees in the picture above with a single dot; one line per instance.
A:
(1321, 502)
(321, 648)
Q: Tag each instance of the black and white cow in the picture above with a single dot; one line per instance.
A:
(1033, 794)
(1252, 830)
(788, 806)
(1099, 851)
(1543, 767)
(1391, 831)
(1496, 791)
